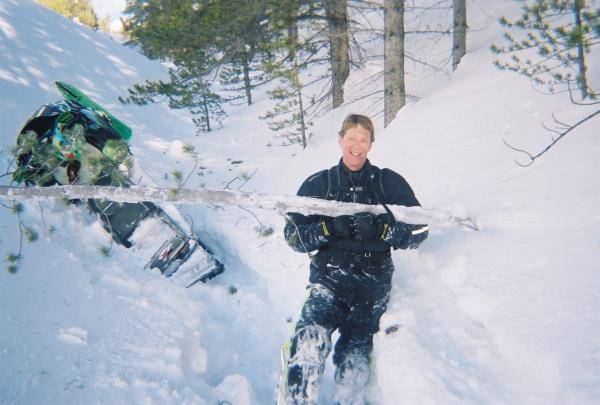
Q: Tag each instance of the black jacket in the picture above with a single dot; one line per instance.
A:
(370, 185)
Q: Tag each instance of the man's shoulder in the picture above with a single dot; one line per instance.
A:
(318, 176)
(397, 189)
(315, 185)
(390, 177)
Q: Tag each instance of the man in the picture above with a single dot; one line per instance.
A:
(351, 275)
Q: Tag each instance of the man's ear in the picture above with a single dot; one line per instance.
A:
(340, 140)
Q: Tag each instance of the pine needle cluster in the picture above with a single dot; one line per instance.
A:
(550, 44)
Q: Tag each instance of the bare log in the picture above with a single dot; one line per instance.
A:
(280, 203)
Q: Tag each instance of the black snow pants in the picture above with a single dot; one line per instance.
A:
(348, 292)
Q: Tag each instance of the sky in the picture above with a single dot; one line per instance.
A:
(110, 7)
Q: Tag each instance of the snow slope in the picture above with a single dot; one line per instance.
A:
(504, 315)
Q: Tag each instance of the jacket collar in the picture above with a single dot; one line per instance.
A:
(354, 176)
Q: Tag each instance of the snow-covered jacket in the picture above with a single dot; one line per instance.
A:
(370, 185)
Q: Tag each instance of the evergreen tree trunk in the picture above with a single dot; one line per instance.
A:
(582, 78)
(206, 113)
(337, 16)
(393, 74)
(459, 32)
(300, 106)
(293, 38)
(246, 68)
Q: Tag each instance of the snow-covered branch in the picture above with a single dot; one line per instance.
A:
(280, 203)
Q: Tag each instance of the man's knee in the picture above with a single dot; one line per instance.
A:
(310, 343)
(320, 308)
(356, 332)
(352, 375)
(309, 349)
(354, 346)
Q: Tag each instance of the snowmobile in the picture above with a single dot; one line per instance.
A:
(77, 141)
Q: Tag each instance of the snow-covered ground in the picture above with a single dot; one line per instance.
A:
(505, 315)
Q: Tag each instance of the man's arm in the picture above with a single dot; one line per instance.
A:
(305, 233)
(398, 234)
(308, 233)
(405, 236)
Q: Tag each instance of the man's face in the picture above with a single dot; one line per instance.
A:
(355, 144)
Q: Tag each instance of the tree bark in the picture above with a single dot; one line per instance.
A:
(582, 78)
(295, 75)
(280, 203)
(337, 16)
(247, 83)
(298, 87)
(393, 74)
(459, 32)
(206, 113)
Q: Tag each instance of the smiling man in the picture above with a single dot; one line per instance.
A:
(351, 275)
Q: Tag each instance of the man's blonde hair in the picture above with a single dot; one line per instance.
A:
(353, 120)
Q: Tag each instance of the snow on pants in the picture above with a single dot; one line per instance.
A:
(349, 293)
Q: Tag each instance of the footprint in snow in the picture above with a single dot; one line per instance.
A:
(73, 335)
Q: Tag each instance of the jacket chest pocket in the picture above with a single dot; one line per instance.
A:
(358, 197)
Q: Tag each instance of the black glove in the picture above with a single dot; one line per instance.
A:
(383, 222)
(366, 228)
(341, 226)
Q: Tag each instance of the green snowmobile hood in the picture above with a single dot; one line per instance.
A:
(72, 93)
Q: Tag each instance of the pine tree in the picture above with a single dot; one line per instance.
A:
(290, 54)
(245, 39)
(288, 115)
(79, 10)
(171, 32)
(186, 89)
(201, 40)
(554, 40)
(552, 47)
(236, 78)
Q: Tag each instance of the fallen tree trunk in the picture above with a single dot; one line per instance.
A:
(280, 203)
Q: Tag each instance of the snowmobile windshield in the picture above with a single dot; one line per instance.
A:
(51, 109)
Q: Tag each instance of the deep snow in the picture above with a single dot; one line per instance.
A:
(504, 315)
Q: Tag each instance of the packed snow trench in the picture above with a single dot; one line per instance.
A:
(506, 315)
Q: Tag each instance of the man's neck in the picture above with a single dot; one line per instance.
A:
(343, 164)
